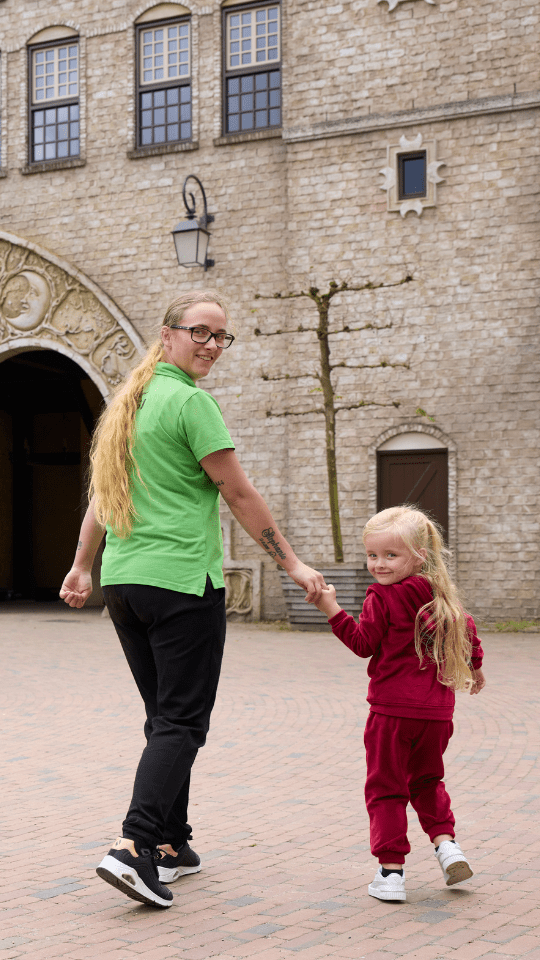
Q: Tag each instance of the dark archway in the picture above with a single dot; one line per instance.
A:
(48, 407)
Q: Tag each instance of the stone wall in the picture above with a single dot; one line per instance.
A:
(460, 341)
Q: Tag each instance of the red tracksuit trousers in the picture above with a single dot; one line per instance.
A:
(404, 763)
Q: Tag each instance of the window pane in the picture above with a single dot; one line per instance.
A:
(61, 73)
(234, 85)
(275, 118)
(185, 94)
(63, 149)
(38, 154)
(38, 135)
(159, 116)
(159, 134)
(260, 118)
(247, 84)
(50, 151)
(185, 131)
(275, 98)
(247, 121)
(233, 124)
(39, 118)
(172, 114)
(74, 148)
(412, 175)
(247, 101)
(74, 111)
(62, 131)
(146, 118)
(261, 100)
(172, 131)
(261, 81)
(185, 111)
(153, 64)
(172, 95)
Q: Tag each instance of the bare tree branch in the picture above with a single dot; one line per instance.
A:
(368, 366)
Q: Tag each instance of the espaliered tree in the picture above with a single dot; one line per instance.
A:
(322, 302)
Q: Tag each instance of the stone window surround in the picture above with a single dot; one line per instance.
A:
(392, 4)
(391, 175)
(222, 138)
(145, 15)
(434, 434)
(142, 149)
(45, 31)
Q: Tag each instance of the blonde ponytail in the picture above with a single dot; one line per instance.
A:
(112, 462)
(440, 632)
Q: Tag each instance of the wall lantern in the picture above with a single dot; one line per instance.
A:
(191, 236)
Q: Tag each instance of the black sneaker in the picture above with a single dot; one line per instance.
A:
(171, 868)
(137, 877)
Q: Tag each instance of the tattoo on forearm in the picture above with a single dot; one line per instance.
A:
(219, 483)
(270, 544)
(79, 546)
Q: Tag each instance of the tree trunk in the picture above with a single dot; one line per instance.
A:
(323, 304)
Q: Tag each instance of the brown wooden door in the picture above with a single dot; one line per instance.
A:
(415, 477)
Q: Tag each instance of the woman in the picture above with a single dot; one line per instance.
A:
(161, 454)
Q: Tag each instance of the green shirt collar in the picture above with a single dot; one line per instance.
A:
(169, 370)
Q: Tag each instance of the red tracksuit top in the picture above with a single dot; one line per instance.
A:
(385, 633)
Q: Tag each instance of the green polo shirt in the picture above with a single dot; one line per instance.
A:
(176, 539)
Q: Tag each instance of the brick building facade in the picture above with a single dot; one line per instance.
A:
(356, 141)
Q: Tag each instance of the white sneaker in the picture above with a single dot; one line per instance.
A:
(453, 862)
(391, 887)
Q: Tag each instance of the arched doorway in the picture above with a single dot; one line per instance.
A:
(413, 468)
(48, 407)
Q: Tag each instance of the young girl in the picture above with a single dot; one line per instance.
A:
(423, 647)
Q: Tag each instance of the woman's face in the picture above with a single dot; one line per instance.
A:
(195, 359)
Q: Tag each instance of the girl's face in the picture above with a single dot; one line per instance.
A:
(389, 560)
(195, 359)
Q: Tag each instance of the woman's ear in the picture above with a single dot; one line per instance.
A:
(423, 553)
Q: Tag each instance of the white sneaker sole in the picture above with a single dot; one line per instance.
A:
(379, 894)
(457, 872)
(170, 874)
(128, 881)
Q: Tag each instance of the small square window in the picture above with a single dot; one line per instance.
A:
(412, 175)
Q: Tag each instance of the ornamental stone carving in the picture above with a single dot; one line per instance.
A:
(46, 303)
(390, 174)
(392, 4)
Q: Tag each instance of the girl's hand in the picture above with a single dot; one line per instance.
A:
(479, 681)
(327, 603)
(77, 587)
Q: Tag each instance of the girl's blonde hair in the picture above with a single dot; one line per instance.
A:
(111, 455)
(440, 630)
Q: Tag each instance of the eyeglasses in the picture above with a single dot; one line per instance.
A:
(202, 335)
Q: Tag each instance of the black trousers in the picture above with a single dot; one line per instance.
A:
(173, 643)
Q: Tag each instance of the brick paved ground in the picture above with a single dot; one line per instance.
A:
(277, 807)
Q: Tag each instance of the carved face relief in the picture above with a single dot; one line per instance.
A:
(26, 300)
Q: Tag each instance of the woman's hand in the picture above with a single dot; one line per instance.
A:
(479, 681)
(310, 580)
(77, 587)
(328, 603)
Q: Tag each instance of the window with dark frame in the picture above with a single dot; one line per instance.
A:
(412, 179)
(252, 59)
(163, 82)
(54, 101)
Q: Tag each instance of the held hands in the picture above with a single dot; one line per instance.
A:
(328, 603)
(310, 580)
(479, 681)
(77, 587)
